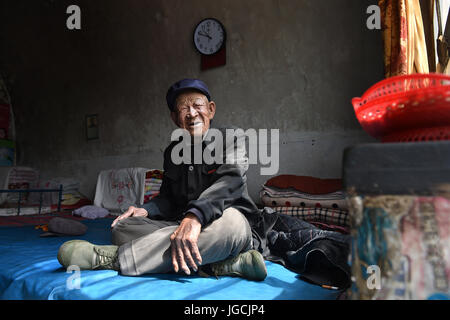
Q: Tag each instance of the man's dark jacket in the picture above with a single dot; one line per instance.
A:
(206, 190)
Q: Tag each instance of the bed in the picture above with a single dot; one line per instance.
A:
(29, 270)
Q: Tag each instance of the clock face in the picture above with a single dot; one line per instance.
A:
(209, 36)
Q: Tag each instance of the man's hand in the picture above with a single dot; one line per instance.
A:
(131, 212)
(184, 244)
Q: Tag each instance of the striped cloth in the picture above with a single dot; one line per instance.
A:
(277, 197)
(337, 217)
(153, 181)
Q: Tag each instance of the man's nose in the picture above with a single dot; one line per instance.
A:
(192, 112)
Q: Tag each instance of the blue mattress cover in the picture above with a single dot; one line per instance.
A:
(29, 270)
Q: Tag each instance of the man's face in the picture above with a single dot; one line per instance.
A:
(193, 112)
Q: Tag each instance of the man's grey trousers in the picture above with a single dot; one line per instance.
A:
(144, 244)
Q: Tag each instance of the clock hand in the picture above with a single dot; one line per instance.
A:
(205, 35)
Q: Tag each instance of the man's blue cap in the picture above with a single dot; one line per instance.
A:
(184, 85)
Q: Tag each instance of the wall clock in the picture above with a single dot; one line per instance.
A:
(209, 36)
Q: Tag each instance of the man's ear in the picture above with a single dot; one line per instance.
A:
(212, 109)
(174, 117)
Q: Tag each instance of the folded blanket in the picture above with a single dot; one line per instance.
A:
(291, 192)
(152, 187)
(70, 199)
(153, 180)
(336, 217)
(24, 211)
(301, 201)
(154, 174)
(69, 185)
(306, 184)
(303, 191)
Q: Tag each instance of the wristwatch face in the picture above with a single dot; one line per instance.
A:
(209, 36)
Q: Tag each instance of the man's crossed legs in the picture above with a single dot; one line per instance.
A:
(142, 246)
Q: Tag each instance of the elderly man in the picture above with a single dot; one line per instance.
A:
(200, 218)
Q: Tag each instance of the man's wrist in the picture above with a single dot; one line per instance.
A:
(150, 207)
(194, 212)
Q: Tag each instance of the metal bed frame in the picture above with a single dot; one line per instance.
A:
(20, 191)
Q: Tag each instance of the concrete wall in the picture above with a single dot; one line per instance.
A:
(291, 64)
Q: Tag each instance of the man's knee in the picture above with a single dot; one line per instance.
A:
(118, 234)
(134, 227)
(121, 233)
(234, 222)
(235, 229)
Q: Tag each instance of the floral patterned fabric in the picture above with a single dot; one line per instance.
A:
(400, 247)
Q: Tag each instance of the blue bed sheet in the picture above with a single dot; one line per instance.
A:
(29, 270)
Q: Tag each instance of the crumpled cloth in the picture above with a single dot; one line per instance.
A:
(91, 212)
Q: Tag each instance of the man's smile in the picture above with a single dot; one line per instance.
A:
(194, 124)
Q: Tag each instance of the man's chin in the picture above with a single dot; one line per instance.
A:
(196, 131)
